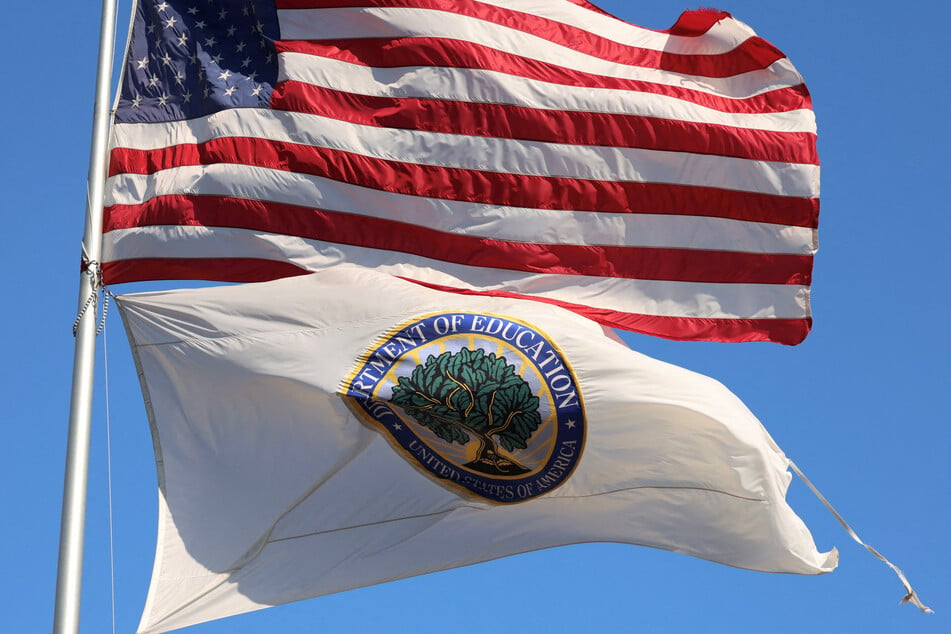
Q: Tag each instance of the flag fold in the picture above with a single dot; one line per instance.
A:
(331, 431)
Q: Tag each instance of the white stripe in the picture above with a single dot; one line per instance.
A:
(483, 153)
(485, 86)
(363, 22)
(539, 226)
(722, 37)
(647, 297)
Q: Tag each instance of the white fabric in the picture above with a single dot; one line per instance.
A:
(518, 224)
(272, 491)
(351, 22)
(725, 36)
(506, 156)
(647, 297)
(486, 86)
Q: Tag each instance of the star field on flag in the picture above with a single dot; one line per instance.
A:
(208, 58)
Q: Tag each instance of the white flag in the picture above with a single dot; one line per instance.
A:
(336, 430)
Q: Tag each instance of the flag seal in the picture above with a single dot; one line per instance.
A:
(485, 404)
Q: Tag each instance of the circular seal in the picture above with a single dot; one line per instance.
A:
(483, 403)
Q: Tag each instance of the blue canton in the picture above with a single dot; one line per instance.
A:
(192, 58)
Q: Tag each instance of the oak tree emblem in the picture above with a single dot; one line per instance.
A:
(470, 396)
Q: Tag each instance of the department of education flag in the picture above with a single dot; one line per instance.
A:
(346, 428)
(661, 182)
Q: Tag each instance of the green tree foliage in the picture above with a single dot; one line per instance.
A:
(472, 396)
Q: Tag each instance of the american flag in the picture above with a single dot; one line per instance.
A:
(659, 182)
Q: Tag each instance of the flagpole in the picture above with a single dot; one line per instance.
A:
(72, 527)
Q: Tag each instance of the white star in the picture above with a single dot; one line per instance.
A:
(397, 426)
(244, 10)
(225, 74)
(570, 424)
(187, 97)
(252, 76)
(136, 101)
(193, 58)
(269, 57)
(150, 28)
(166, 59)
(193, 10)
(162, 6)
(179, 77)
(201, 24)
(257, 90)
(169, 23)
(216, 59)
(211, 41)
(182, 39)
(245, 62)
(163, 99)
(230, 91)
(206, 91)
(142, 63)
(222, 14)
(240, 47)
(153, 80)
(259, 27)
(231, 30)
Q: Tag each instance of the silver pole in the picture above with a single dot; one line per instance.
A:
(72, 529)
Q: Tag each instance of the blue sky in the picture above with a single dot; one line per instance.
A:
(861, 406)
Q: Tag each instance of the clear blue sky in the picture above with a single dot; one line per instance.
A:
(861, 406)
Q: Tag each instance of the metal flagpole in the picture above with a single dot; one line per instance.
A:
(72, 528)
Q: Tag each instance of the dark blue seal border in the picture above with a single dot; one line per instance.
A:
(538, 349)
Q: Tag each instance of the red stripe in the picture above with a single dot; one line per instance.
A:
(210, 269)
(533, 192)
(690, 23)
(752, 54)
(786, 331)
(551, 126)
(688, 265)
(697, 23)
(426, 51)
